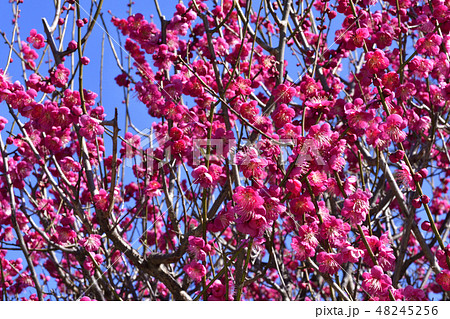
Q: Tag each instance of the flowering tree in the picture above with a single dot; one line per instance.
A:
(293, 150)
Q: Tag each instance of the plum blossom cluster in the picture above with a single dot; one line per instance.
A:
(298, 181)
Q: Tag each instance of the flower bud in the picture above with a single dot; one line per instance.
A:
(332, 15)
(80, 23)
(73, 45)
(85, 60)
(423, 172)
(416, 203)
(426, 226)
(397, 156)
(376, 82)
(425, 199)
(417, 177)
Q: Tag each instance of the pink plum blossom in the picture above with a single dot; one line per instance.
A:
(91, 243)
(356, 206)
(376, 282)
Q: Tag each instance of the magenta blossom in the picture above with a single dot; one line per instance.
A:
(218, 291)
(376, 61)
(393, 127)
(101, 200)
(443, 279)
(86, 299)
(305, 244)
(328, 263)
(283, 115)
(91, 243)
(60, 76)
(251, 164)
(90, 127)
(202, 177)
(249, 110)
(197, 248)
(247, 199)
(36, 39)
(357, 206)
(397, 156)
(284, 93)
(89, 264)
(195, 271)
(253, 224)
(301, 250)
(442, 255)
(334, 231)
(3, 122)
(404, 177)
(65, 234)
(413, 294)
(429, 45)
(376, 283)
(360, 36)
(350, 254)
